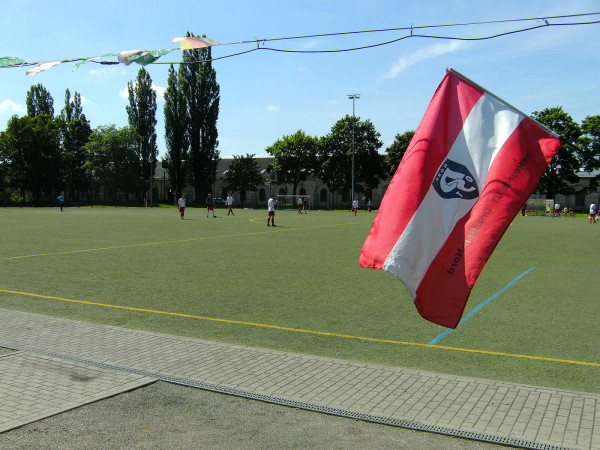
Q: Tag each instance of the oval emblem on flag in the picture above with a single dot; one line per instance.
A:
(454, 180)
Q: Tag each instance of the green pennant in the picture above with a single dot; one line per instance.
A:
(92, 58)
(7, 61)
(148, 58)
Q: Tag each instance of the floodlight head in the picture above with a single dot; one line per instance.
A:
(353, 96)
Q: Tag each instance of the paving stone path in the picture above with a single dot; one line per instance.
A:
(57, 364)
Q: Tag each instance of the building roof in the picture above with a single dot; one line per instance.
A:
(161, 171)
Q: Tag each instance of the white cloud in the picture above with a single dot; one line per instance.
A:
(10, 106)
(124, 93)
(273, 108)
(406, 61)
(160, 92)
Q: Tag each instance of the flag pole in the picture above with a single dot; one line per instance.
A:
(468, 80)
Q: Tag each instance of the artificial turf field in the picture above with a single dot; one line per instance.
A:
(533, 316)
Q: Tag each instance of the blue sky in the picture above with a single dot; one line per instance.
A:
(266, 95)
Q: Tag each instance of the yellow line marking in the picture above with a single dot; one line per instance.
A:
(177, 241)
(320, 333)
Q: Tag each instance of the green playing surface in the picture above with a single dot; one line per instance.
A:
(297, 287)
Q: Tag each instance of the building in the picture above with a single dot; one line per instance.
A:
(321, 196)
(584, 195)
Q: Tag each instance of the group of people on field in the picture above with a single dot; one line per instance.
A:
(302, 205)
(593, 217)
(355, 206)
(210, 205)
(558, 211)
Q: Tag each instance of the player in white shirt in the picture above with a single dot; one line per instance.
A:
(229, 203)
(271, 211)
(181, 205)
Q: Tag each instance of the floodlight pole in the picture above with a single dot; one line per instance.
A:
(353, 97)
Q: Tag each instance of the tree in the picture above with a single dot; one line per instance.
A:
(176, 135)
(562, 170)
(295, 158)
(590, 141)
(202, 97)
(335, 152)
(243, 175)
(113, 160)
(4, 161)
(75, 132)
(397, 149)
(39, 101)
(142, 118)
(13, 155)
(72, 109)
(32, 151)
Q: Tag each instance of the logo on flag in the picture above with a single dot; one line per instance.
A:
(472, 163)
(454, 180)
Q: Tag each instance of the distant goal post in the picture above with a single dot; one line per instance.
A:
(285, 201)
(539, 206)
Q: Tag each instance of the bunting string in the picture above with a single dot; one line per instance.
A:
(147, 57)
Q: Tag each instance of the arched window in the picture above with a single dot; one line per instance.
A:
(302, 192)
(323, 196)
(261, 195)
(282, 191)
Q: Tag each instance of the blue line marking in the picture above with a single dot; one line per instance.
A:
(447, 331)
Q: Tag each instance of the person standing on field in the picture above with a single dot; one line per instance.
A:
(355, 206)
(61, 200)
(210, 205)
(229, 203)
(181, 205)
(271, 211)
(593, 212)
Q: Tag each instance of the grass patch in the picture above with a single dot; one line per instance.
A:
(297, 287)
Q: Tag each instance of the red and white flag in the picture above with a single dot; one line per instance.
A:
(472, 163)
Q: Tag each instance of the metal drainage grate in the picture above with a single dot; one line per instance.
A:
(473, 435)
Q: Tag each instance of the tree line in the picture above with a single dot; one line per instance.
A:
(330, 157)
(43, 154)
